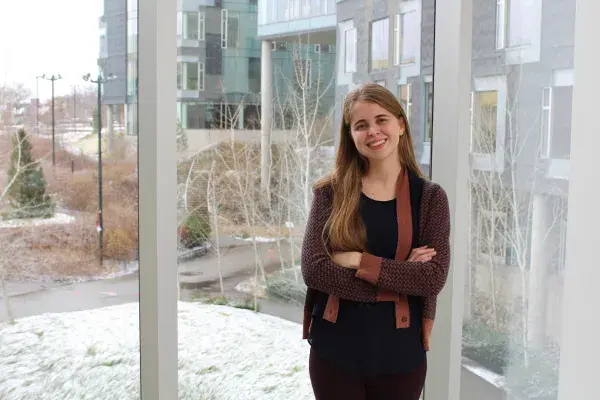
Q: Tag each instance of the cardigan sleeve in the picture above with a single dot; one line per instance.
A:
(424, 279)
(318, 270)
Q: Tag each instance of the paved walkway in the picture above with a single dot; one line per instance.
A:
(237, 264)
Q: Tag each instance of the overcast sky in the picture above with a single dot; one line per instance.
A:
(49, 36)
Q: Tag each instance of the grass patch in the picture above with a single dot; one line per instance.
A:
(247, 303)
(208, 370)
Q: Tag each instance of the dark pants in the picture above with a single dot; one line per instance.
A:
(332, 383)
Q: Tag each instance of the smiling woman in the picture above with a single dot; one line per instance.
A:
(375, 255)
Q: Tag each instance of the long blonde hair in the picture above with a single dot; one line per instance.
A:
(344, 230)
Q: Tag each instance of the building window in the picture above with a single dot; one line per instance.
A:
(428, 111)
(254, 74)
(514, 21)
(406, 26)
(191, 26)
(501, 25)
(233, 31)
(484, 117)
(224, 28)
(190, 76)
(200, 76)
(491, 234)
(230, 30)
(201, 25)
(556, 116)
(546, 121)
(380, 44)
(350, 51)
(405, 98)
(179, 76)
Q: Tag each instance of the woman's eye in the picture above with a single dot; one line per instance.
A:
(359, 127)
(382, 121)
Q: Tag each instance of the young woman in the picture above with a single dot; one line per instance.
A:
(375, 256)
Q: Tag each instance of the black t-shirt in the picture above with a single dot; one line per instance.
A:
(365, 338)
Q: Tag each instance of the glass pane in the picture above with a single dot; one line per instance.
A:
(514, 288)
(239, 237)
(68, 201)
(485, 117)
(380, 34)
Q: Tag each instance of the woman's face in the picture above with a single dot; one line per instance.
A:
(375, 131)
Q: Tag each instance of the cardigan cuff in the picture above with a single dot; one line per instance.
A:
(369, 268)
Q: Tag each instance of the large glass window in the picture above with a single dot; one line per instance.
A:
(69, 248)
(380, 34)
(518, 201)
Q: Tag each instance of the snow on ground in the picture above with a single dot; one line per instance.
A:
(224, 354)
(58, 218)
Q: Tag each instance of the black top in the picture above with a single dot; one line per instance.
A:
(365, 338)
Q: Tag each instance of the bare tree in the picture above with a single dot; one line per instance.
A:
(508, 230)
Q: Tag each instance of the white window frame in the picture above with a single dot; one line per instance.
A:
(224, 27)
(493, 161)
(201, 73)
(201, 25)
(501, 24)
(350, 63)
(546, 139)
(397, 39)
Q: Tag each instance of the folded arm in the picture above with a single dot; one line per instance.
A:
(415, 278)
(318, 270)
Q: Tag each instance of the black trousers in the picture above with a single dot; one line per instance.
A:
(329, 382)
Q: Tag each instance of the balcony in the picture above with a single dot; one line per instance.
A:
(277, 19)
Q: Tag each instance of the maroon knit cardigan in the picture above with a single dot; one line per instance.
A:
(379, 279)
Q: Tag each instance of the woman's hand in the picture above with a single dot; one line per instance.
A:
(422, 254)
(347, 259)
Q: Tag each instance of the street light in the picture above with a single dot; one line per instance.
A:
(52, 78)
(100, 223)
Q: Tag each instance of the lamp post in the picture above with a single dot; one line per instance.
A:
(53, 79)
(99, 223)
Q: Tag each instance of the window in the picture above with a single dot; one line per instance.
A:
(491, 233)
(397, 39)
(224, 28)
(484, 116)
(190, 76)
(190, 25)
(233, 31)
(380, 44)
(428, 111)
(515, 22)
(405, 97)
(254, 74)
(380, 83)
(556, 116)
(350, 51)
(179, 76)
(406, 37)
(501, 12)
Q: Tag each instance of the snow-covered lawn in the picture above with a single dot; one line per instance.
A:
(224, 353)
(57, 219)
